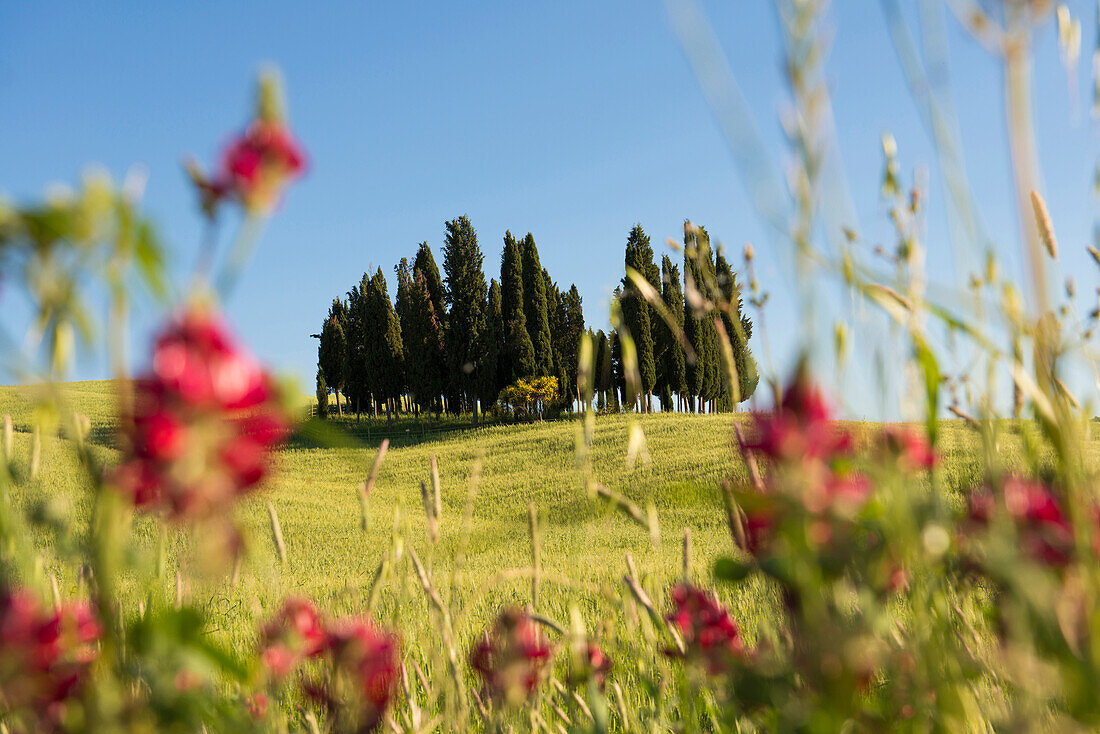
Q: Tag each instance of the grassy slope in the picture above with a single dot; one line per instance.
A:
(332, 560)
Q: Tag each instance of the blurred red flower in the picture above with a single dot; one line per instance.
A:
(45, 657)
(369, 658)
(710, 635)
(909, 448)
(800, 427)
(512, 657)
(295, 632)
(593, 664)
(258, 163)
(203, 421)
(1044, 531)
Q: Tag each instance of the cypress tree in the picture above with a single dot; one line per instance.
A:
(489, 382)
(702, 374)
(712, 385)
(423, 342)
(322, 394)
(403, 272)
(384, 352)
(618, 378)
(570, 329)
(674, 362)
(357, 334)
(738, 327)
(555, 316)
(424, 263)
(518, 358)
(536, 308)
(602, 369)
(466, 295)
(424, 267)
(332, 351)
(636, 311)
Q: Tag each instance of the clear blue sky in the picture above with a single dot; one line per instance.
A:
(572, 120)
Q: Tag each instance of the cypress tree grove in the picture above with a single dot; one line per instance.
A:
(536, 308)
(518, 357)
(636, 311)
(674, 360)
(466, 296)
(489, 381)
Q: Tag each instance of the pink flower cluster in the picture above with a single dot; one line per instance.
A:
(710, 635)
(370, 658)
(364, 658)
(511, 658)
(46, 657)
(1044, 532)
(593, 664)
(254, 168)
(203, 423)
(801, 427)
(908, 448)
(292, 635)
(811, 460)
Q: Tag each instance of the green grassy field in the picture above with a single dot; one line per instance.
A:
(331, 559)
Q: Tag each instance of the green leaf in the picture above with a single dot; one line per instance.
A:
(150, 260)
(931, 371)
(731, 570)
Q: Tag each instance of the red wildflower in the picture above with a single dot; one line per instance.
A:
(801, 426)
(258, 163)
(203, 422)
(593, 664)
(512, 658)
(843, 493)
(368, 658)
(909, 448)
(257, 706)
(44, 658)
(293, 634)
(1044, 531)
(710, 635)
(261, 161)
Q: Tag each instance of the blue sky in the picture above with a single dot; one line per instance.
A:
(572, 120)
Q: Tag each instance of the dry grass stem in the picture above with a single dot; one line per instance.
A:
(365, 488)
(277, 532)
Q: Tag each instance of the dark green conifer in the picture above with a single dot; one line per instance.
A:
(466, 302)
(536, 307)
(636, 310)
(489, 381)
(518, 358)
(383, 350)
